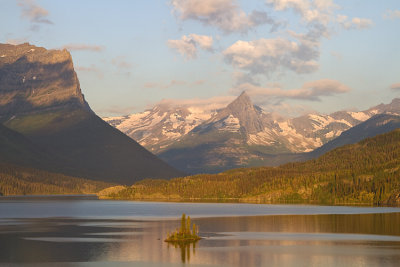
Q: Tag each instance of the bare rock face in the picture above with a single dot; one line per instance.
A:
(35, 79)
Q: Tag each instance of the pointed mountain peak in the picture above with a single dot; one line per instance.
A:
(244, 96)
(241, 101)
(245, 112)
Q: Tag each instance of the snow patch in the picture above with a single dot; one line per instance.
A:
(261, 138)
(330, 134)
(361, 116)
(230, 124)
(297, 140)
(320, 122)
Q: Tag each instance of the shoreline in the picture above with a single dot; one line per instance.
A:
(51, 197)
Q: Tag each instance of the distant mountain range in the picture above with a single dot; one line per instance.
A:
(239, 135)
(46, 123)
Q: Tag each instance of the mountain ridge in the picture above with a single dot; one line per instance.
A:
(41, 99)
(242, 134)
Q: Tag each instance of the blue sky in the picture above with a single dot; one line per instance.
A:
(291, 56)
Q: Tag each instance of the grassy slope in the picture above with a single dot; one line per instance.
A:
(364, 173)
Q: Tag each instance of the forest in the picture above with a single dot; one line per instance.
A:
(366, 173)
(16, 180)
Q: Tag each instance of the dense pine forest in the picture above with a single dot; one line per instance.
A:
(363, 173)
(16, 180)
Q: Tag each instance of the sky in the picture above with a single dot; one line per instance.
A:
(290, 56)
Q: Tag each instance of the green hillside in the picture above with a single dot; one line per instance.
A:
(364, 173)
(16, 180)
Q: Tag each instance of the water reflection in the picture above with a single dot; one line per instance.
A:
(184, 249)
(287, 240)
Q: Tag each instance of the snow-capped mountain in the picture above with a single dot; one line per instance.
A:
(241, 134)
(161, 126)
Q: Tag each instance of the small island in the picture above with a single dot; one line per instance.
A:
(185, 234)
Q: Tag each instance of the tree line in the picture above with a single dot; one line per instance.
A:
(17, 180)
(364, 173)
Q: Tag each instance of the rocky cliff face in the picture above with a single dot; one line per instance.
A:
(41, 103)
(35, 79)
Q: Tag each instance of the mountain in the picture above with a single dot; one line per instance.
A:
(41, 99)
(378, 124)
(34, 79)
(225, 140)
(161, 126)
(239, 135)
(20, 150)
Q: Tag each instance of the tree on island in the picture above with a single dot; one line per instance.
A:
(185, 234)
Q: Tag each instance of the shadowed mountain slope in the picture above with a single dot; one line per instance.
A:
(41, 99)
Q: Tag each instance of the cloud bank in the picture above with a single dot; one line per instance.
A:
(395, 86)
(312, 91)
(207, 104)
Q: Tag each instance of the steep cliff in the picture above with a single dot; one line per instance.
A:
(34, 79)
(40, 98)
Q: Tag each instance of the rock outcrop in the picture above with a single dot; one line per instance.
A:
(35, 79)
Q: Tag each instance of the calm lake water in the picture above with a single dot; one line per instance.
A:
(124, 233)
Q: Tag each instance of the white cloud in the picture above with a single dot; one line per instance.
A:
(35, 13)
(392, 14)
(361, 23)
(395, 86)
(354, 23)
(83, 47)
(226, 15)
(208, 104)
(266, 56)
(187, 45)
(319, 11)
(312, 91)
(205, 42)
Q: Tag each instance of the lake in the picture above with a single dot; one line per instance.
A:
(81, 232)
